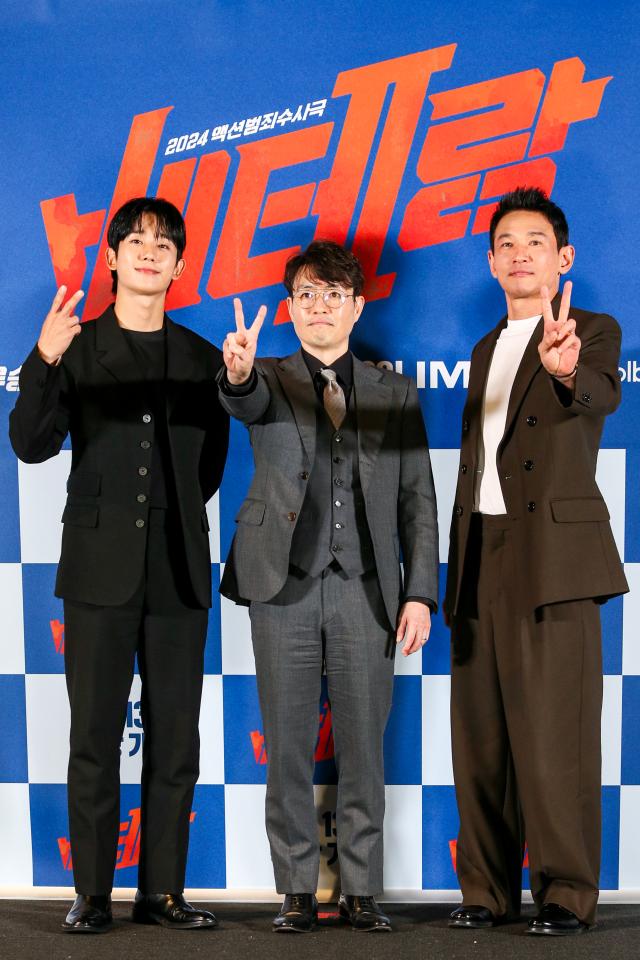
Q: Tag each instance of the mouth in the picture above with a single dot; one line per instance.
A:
(521, 273)
(147, 270)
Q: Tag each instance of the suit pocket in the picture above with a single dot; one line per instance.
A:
(84, 484)
(80, 515)
(580, 510)
(251, 512)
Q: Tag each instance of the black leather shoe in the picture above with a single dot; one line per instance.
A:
(298, 914)
(472, 916)
(89, 915)
(363, 913)
(171, 910)
(556, 921)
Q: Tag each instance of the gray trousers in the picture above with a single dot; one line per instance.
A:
(342, 623)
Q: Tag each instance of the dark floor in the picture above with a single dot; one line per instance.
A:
(29, 930)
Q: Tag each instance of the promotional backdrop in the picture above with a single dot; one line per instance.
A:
(391, 128)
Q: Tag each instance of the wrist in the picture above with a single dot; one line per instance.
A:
(51, 361)
(566, 377)
(236, 380)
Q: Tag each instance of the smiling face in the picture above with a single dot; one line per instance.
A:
(323, 330)
(146, 261)
(525, 257)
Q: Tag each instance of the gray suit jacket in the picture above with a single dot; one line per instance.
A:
(395, 474)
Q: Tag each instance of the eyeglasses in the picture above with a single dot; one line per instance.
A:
(333, 298)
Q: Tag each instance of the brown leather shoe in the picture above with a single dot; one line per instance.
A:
(472, 916)
(556, 921)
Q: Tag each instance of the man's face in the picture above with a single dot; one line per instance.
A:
(322, 326)
(525, 255)
(146, 263)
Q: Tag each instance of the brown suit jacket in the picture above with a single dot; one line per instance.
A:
(546, 464)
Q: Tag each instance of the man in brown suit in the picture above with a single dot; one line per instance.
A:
(531, 558)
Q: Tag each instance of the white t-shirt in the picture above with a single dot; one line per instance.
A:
(508, 352)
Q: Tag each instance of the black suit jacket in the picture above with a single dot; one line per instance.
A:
(96, 395)
(547, 463)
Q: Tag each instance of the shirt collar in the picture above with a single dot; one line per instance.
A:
(343, 367)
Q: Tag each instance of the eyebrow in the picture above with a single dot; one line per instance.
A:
(530, 233)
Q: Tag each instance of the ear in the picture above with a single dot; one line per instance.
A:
(566, 257)
(290, 307)
(492, 264)
(111, 257)
(178, 269)
(358, 307)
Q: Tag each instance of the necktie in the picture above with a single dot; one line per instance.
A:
(333, 398)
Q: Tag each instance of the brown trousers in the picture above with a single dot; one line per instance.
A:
(526, 700)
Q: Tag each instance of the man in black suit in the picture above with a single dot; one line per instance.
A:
(531, 559)
(342, 484)
(137, 394)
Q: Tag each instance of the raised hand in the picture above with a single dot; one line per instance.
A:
(239, 348)
(559, 348)
(60, 326)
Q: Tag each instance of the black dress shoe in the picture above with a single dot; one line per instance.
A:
(556, 921)
(171, 910)
(298, 914)
(363, 913)
(89, 915)
(472, 916)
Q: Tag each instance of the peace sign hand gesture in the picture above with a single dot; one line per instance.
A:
(239, 348)
(60, 326)
(559, 348)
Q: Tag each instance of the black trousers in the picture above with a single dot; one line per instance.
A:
(163, 625)
(526, 698)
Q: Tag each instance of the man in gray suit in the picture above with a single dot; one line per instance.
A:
(342, 484)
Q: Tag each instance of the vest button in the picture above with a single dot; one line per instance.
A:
(338, 481)
(531, 421)
(146, 418)
(338, 459)
(336, 548)
(292, 516)
(337, 503)
(528, 464)
(338, 438)
(141, 498)
(304, 475)
(531, 506)
(142, 471)
(140, 523)
(338, 526)
(145, 444)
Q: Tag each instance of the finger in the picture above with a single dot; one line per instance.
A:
(547, 312)
(256, 326)
(571, 343)
(237, 309)
(566, 329)
(57, 300)
(401, 628)
(565, 302)
(411, 640)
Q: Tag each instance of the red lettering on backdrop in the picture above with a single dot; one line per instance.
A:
(568, 100)
(133, 181)
(69, 233)
(541, 172)
(336, 198)
(234, 270)
(200, 218)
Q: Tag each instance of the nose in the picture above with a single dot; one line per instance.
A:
(521, 252)
(319, 306)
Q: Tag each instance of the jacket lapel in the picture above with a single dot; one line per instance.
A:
(373, 401)
(181, 364)
(293, 374)
(529, 366)
(112, 350)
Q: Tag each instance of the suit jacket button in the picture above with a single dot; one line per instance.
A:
(304, 475)
(141, 498)
(146, 418)
(528, 464)
(531, 421)
(142, 471)
(140, 523)
(459, 511)
(463, 468)
(145, 444)
(531, 506)
(338, 438)
(292, 516)
(465, 426)
(586, 398)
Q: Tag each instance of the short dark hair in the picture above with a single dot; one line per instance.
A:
(128, 219)
(535, 199)
(329, 262)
